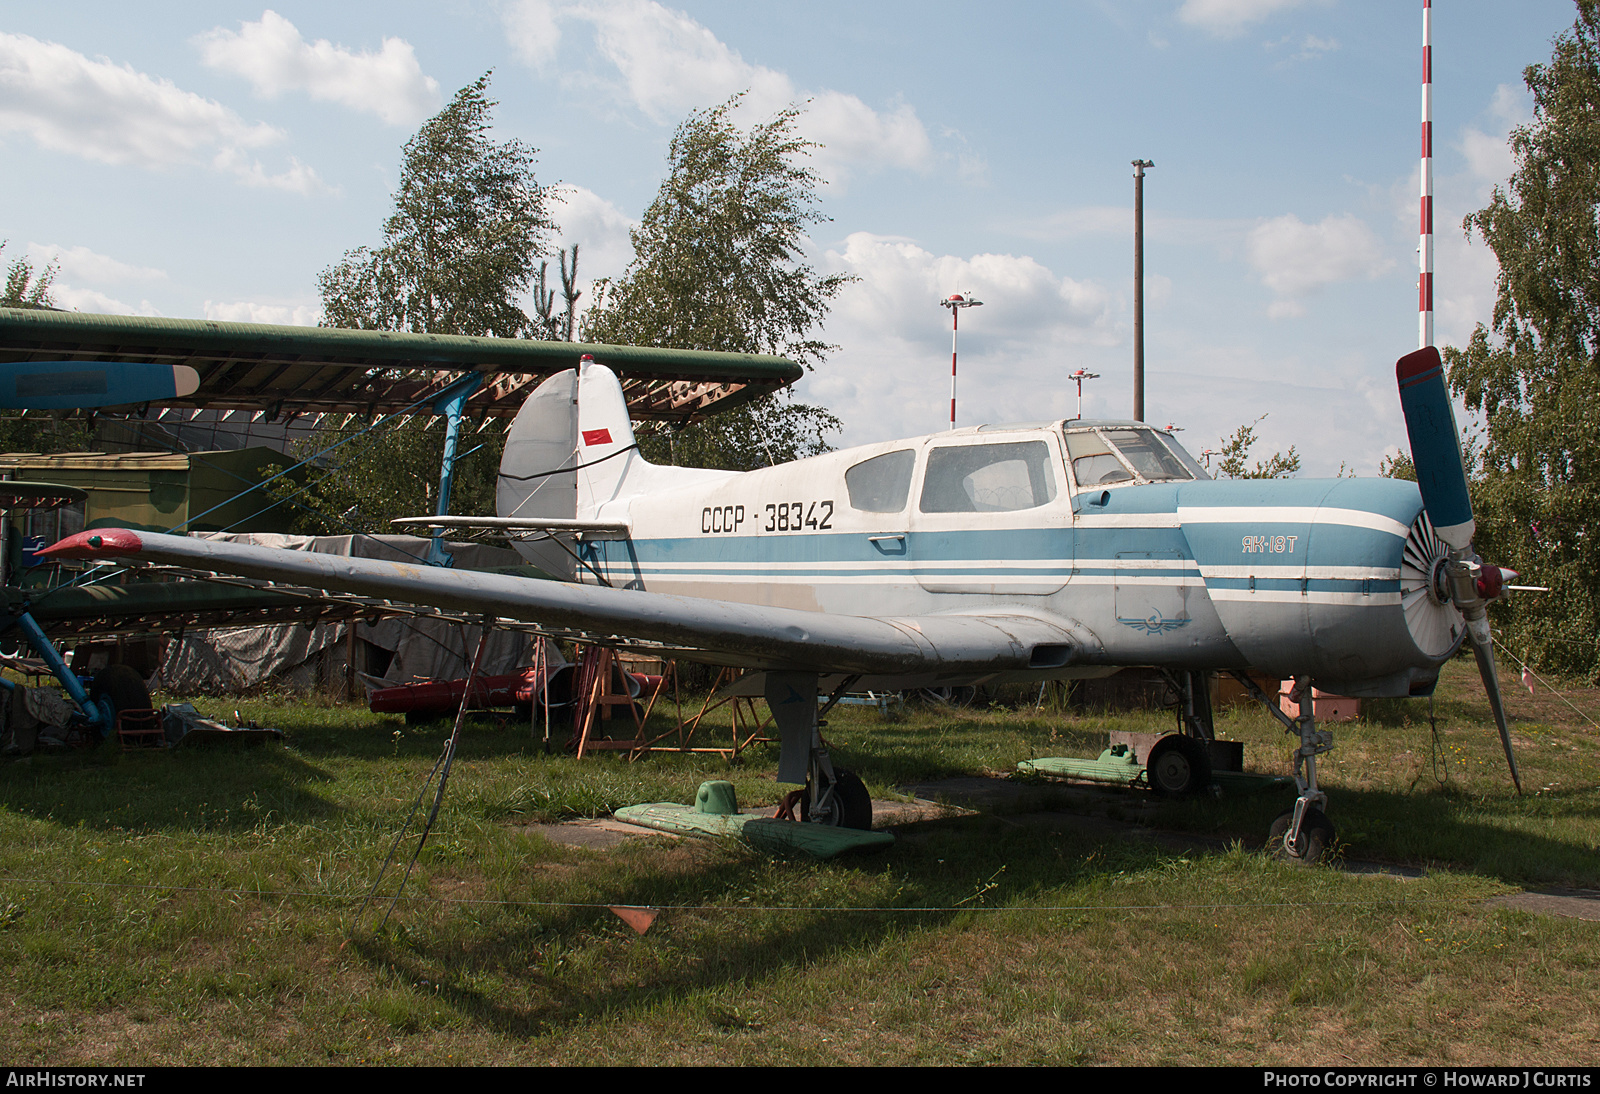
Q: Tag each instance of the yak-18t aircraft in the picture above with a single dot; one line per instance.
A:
(1037, 551)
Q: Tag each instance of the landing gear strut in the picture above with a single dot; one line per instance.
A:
(832, 796)
(1304, 833)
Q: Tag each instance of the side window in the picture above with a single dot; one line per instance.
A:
(1093, 461)
(881, 484)
(988, 478)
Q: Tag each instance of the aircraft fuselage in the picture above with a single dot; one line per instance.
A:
(1290, 577)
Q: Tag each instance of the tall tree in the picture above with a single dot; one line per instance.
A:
(1235, 457)
(461, 246)
(460, 250)
(1534, 374)
(551, 326)
(719, 265)
(25, 288)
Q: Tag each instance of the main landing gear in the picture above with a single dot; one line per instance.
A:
(832, 796)
(1302, 834)
(1179, 764)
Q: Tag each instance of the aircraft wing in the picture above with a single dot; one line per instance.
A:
(275, 370)
(757, 636)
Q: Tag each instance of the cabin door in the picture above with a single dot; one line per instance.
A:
(991, 516)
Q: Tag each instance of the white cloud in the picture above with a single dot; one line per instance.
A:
(111, 113)
(1488, 154)
(273, 56)
(1487, 157)
(1229, 18)
(599, 228)
(245, 311)
(891, 374)
(901, 285)
(1295, 259)
(1465, 268)
(533, 30)
(298, 178)
(1309, 47)
(82, 264)
(91, 300)
(671, 64)
(600, 231)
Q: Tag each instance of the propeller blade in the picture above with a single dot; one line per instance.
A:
(1442, 478)
(1435, 445)
(84, 385)
(1484, 651)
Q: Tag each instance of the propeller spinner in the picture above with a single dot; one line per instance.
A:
(1462, 579)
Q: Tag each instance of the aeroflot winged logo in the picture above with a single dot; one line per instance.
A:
(1154, 624)
(592, 437)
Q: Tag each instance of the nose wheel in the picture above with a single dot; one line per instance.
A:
(1306, 844)
(1303, 834)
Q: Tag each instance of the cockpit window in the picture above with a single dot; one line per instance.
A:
(1150, 458)
(1104, 457)
(1182, 455)
(881, 484)
(1094, 463)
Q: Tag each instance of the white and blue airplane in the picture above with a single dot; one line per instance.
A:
(1037, 551)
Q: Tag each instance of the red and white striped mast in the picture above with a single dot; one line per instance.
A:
(1425, 250)
(955, 303)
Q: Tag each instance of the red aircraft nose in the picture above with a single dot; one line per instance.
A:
(95, 544)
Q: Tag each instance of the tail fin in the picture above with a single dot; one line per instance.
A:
(571, 448)
(607, 454)
(571, 451)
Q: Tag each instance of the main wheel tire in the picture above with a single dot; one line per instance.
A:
(124, 687)
(852, 805)
(1317, 836)
(1178, 766)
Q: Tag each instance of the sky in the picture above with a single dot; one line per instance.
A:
(209, 160)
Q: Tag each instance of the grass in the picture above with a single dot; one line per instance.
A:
(201, 907)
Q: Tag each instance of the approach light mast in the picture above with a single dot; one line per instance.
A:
(1081, 375)
(955, 303)
(1425, 245)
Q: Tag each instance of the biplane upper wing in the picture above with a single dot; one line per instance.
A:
(286, 370)
(741, 634)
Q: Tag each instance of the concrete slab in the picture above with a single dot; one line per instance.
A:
(1080, 808)
(1568, 903)
(597, 835)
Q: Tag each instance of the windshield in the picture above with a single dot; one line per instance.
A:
(1107, 457)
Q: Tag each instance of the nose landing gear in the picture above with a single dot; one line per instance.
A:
(1303, 834)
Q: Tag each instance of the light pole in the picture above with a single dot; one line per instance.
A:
(955, 303)
(1081, 375)
(1138, 287)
